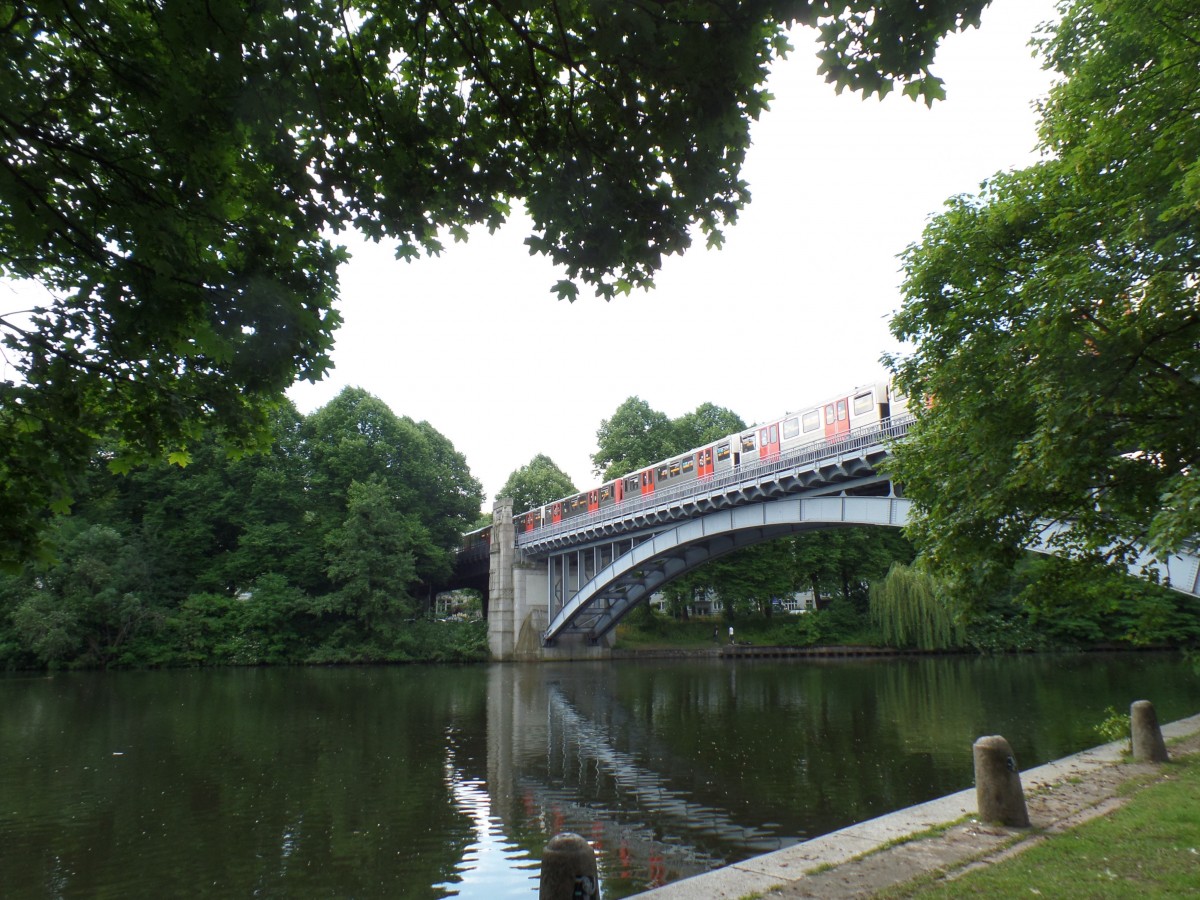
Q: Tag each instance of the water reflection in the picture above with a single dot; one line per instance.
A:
(428, 782)
(490, 864)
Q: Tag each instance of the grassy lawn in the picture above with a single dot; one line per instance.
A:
(1148, 848)
(646, 632)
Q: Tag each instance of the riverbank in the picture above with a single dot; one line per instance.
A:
(938, 839)
(756, 651)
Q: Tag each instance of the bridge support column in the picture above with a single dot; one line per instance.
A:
(501, 631)
(518, 601)
(516, 593)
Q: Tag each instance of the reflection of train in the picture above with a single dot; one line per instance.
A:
(828, 421)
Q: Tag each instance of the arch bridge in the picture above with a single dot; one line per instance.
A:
(558, 591)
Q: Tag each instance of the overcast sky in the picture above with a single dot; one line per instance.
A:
(794, 308)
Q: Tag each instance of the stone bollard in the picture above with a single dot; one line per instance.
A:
(1145, 737)
(998, 784)
(569, 870)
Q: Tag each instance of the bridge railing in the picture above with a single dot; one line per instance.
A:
(747, 473)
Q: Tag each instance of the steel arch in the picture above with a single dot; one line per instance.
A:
(619, 586)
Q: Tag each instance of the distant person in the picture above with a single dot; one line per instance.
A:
(731, 634)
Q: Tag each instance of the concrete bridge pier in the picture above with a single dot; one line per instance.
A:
(518, 604)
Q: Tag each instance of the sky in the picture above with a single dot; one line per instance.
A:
(793, 309)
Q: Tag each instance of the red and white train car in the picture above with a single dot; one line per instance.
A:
(829, 420)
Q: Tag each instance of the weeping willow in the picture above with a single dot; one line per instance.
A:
(908, 611)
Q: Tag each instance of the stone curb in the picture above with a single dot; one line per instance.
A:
(821, 867)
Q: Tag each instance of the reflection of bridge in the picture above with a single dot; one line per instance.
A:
(555, 762)
(559, 590)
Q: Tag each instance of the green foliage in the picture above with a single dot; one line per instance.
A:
(356, 438)
(1081, 602)
(637, 435)
(1005, 630)
(839, 625)
(634, 437)
(314, 551)
(910, 613)
(171, 175)
(703, 425)
(645, 619)
(1054, 316)
(1115, 726)
(87, 607)
(372, 558)
(845, 561)
(536, 483)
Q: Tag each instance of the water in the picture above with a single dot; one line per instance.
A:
(427, 782)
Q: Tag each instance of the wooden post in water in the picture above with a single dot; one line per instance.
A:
(998, 790)
(569, 870)
(1145, 737)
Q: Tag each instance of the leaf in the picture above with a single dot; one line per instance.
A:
(566, 290)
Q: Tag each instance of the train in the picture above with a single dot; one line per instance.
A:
(829, 420)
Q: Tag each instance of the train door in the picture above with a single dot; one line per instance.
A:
(704, 463)
(837, 419)
(556, 512)
(618, 490)
(648, 481)
(747, 451)
(768, 441)
(593, 501)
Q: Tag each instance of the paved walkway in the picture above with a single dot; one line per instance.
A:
(869, 857)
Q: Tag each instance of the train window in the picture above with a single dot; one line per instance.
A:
(688, 464)
(631, 483)
(812, 420)
(664, 472)
(774, 434)
(841, 410)
(605, 493)
(791, 428)
(829, 419)
(748, 442)
(863, 403)
(722, 452)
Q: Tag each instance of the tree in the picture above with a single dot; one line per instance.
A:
(1055, 317)
(705, 424)
(357, 438)
(908, 610)
(635, 437)
(752, 578)
(87, 607)
(372, 556)
(537, 482)
(171, 173)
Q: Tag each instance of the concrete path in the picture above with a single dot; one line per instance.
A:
(869, 857)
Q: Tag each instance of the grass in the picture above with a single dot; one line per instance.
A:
(658, 631)
(1148, 848)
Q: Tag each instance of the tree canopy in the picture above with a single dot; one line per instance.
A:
(537, 482)
(173, 174)
(637, 435)
(634, 437)
(324, 548)
(1055, 316)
